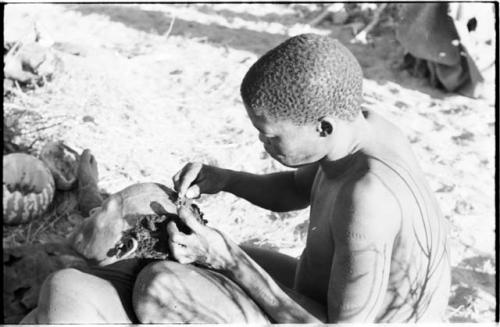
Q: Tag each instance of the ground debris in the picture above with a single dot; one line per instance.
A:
(25, 268)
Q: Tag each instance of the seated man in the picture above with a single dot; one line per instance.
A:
(376, 248)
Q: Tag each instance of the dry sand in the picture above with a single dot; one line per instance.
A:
(147, 100)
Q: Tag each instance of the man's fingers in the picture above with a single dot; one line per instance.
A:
(181, 253)
(188, 217)
(175, 180)
(179, 177)
(188, 177)
(176, 236)
(185, 178)
(172, 229)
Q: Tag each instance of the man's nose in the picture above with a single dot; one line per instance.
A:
(263, 139)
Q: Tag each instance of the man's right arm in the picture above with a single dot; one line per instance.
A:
(282, 191)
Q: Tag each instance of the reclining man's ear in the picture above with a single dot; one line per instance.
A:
(125, 249)
(325, 126)
(128, 248)
(94, 210)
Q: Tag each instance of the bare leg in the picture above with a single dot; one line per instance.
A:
(168, 292)
(30, 318)
(281, 267)
(71, 296)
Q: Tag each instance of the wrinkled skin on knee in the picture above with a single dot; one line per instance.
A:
(70, 296)
(61, 281)
(169, 292)
(97, 237)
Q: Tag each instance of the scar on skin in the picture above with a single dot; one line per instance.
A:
(356, 236)
(349, 307)
(349, 269)
(264, 293)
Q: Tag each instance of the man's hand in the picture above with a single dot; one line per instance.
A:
(195, 179)
(205, 246)
(208, 247)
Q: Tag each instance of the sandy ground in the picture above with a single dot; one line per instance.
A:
(146, 101)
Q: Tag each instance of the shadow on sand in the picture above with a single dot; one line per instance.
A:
(378, 59)
(158, 22)
(468, 282)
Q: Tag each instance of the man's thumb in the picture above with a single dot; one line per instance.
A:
(193, 192)
(188, 217)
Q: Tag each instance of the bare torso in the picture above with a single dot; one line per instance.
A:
(419, 274)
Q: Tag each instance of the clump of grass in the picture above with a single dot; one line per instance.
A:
(12, 133)
(29, 123)
(53, 226)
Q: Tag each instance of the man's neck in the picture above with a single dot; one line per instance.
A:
(353, 137)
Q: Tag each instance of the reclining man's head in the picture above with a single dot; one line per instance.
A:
(148, 238)
(107, 235)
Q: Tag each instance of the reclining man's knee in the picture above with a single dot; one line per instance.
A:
(53, 290)
(168, 292)
(72, 296)
(156, 289)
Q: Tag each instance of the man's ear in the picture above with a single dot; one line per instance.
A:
(325, 126)
(128, 248)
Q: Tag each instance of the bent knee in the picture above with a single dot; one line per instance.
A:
(56, 287)
(162, 273)
(168, 292)
(62, 279)
(158, 279)
(159, 288)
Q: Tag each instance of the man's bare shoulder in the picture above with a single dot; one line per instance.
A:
(389, 141)
(366, 206)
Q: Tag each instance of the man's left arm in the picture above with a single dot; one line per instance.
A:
(364, 228)
(210, 248)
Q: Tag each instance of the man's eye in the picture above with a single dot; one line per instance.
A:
(272, 138)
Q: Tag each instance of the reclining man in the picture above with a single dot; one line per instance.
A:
(376, 249)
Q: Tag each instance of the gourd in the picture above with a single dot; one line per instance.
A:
(28, 188)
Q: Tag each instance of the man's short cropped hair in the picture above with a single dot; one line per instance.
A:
(303, 79)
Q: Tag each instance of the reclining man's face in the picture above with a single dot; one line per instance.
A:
(99, 234)
(105, 236)
(291, 145)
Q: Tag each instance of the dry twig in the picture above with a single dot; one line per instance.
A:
(167, 33)
(361, 37)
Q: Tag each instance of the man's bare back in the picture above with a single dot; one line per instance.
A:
(418, 273)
